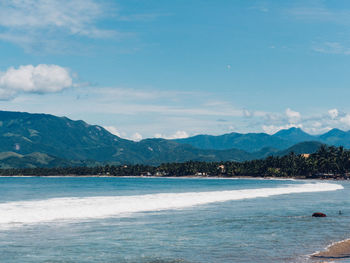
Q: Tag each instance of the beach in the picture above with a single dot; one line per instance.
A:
(338, 250)
(194, 220)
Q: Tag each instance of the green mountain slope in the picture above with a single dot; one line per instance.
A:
(25, 133)
(264, 143)
(250, 142)
(36, 159)
(336, 137)
(42, 140)
(70, 142)
(302, 147)
(294, 135)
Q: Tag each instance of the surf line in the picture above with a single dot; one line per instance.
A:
(76, 208)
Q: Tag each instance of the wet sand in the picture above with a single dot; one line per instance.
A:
(339, 250)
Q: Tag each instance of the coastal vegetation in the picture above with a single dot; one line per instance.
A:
(326, 162)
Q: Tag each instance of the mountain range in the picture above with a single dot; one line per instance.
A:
(43, 140)
(252, 142)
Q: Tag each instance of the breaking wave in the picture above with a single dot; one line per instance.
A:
(79, 208)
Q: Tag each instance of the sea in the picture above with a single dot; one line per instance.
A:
(168, 220)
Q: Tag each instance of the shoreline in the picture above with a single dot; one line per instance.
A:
(337, 250)
(181, 177)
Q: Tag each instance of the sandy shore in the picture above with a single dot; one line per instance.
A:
(339, 250)
(186, 176)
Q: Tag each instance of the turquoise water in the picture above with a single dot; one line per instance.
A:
(169, 220)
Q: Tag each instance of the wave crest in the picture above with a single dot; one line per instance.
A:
(75, 208)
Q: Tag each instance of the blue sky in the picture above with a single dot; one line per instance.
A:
(178, 68)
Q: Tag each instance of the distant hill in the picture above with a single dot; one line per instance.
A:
(294, 135)
(336, 137)
(302, 147)
(156, 151)
(25, 133)
(35, 159)
(31, 140)
(249, 142)
(252, 142)
(43, 140)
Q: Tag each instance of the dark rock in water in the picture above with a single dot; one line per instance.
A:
(318, 214)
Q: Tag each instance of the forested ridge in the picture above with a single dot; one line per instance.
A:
(327, 162)
(30, 140)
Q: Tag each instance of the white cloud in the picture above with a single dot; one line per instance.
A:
(317, 130)
(332, 48)
(271, 129)
(136, 137)
(6, 94)
(314, 124)
(112, 130)
(320, 12)
(34, 79)
(266, 115)
(317, 124)
(45, 24)
(179, 135)
(333, 113)
(158, 135)
(140, 101)
(77, 17)
(247, 113)
(293, 116)
(346, 119)
(176, 135)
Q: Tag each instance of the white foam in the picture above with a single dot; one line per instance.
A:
(74, 208)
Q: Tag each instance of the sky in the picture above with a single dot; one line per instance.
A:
(174, 69)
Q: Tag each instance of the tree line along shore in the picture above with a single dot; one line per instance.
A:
(329, 162)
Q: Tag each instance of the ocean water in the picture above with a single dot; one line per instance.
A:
(89, 219)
